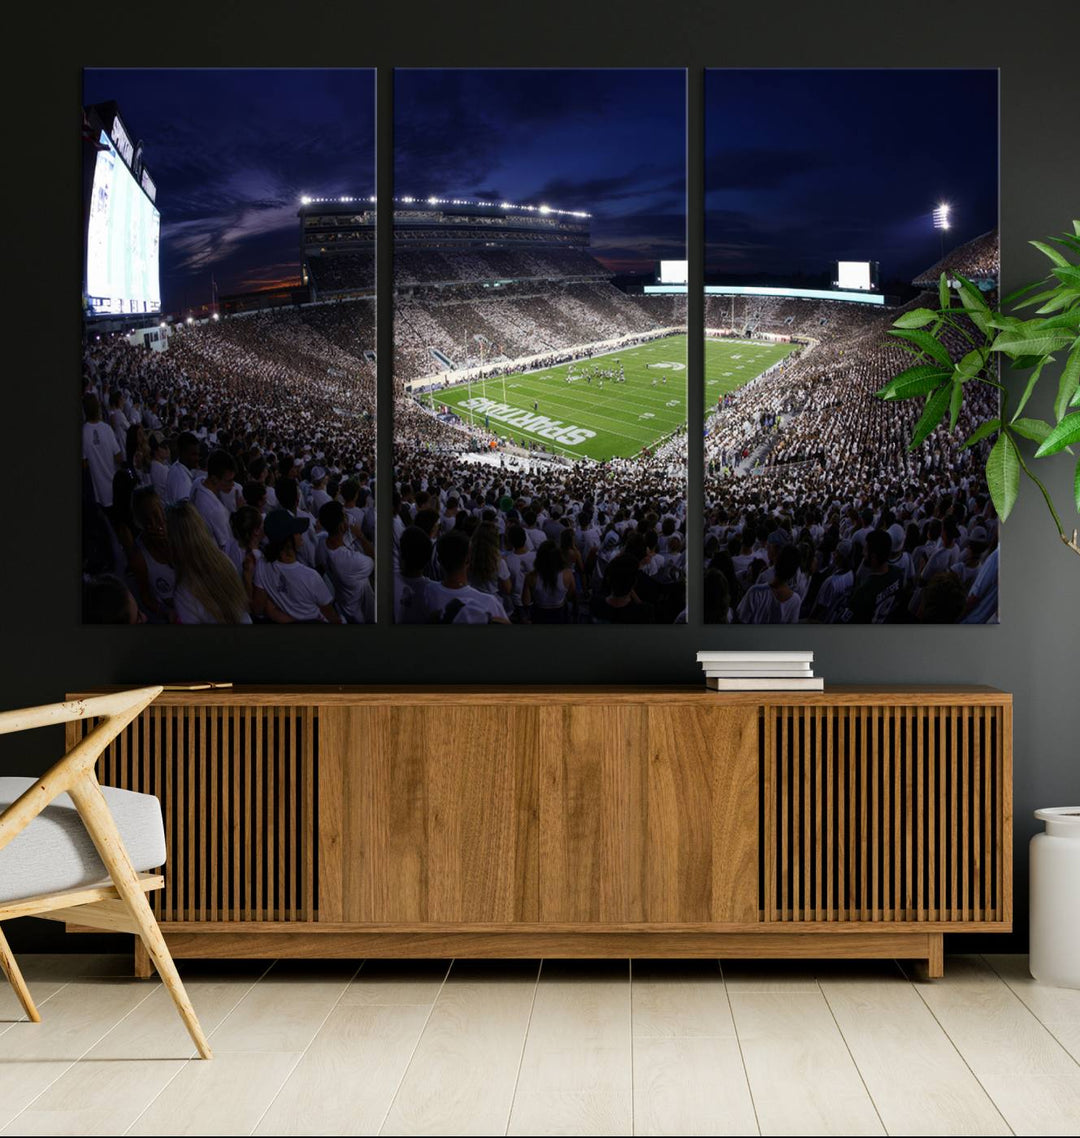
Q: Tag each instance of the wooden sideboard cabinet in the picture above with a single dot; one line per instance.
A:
(584, 821)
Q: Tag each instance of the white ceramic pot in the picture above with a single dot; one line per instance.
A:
(1055, 898)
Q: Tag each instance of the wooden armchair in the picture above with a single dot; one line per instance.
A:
(55, 873)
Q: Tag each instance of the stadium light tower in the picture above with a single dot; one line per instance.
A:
(941, 223)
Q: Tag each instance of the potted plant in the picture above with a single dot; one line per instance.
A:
(1029, 345)
(1052, 333)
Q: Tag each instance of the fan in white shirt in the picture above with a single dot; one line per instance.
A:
(413, 589)
(178, 482)
(206, 496)
(285, 590)
(159, 466)
(457, 601)
(520, 560)
(350, 570)
(117, 419)
(101, 456)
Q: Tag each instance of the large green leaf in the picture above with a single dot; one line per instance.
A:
(1064, 434)
(982, 431)
(1034, 429)
(919, 380)
(1003, 474)
(916, 318)
(971, 364)
(1051, 252)
(1065, 298)
(936, 406)
(925, 342)
(944, 297)
(1068, 240)
(1032, 380)
(974, 304)
(1039, 297)
(1004, 323)
(1069, 321)
(1068, 384)
(1031, 341)
(1068, 274)
(956, 401)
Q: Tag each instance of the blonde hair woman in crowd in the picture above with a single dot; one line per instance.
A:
(208, 588)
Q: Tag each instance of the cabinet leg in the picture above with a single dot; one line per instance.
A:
(935, 964)
(143, 970)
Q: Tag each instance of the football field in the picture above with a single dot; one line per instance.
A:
(600, 419)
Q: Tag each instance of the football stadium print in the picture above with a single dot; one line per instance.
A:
(829, 212)
(539, 369)
(540, 424)
(229, 422)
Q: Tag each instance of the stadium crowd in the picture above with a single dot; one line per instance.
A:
(821, 514)
(471, 325)
(209, 467)
(539, 543)
(229, 478)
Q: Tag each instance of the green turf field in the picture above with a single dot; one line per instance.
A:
(586, 420)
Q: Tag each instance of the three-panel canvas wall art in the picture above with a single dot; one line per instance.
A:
(541, 466)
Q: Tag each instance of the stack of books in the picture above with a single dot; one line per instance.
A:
(760, 671)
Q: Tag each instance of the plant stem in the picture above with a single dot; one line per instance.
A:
(956, 327)
(1072, 543)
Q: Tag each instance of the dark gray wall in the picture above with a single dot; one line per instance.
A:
(1035, 651)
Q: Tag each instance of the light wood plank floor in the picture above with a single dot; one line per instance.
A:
(559, 1047)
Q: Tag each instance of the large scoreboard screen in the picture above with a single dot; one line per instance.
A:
(122, 237)
(859, 275)
(673, 272)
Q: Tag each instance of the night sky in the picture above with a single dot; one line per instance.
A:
(231, 152)
(611, 142)
(804, 168)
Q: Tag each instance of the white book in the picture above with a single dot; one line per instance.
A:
(759, 673)
(764, 684)
(755, 657)
(757, 667)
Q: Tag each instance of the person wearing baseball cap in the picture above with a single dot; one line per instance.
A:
(318, 496)
(286, 590)
(899, 557)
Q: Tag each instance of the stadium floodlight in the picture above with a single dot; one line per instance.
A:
(191, 319)
(305, 200)
(544, 209)
(433, 201)
(215, 316)
(941, 216)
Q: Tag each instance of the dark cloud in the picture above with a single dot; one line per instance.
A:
(592, 193)
(759, 168)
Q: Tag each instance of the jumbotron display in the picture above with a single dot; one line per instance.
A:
(673, 272)
(122, 238)
(858, 275)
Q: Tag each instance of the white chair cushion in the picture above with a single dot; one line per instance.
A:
(55, 852)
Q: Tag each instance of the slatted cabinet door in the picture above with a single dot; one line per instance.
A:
(887, 813)
(239, 799)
